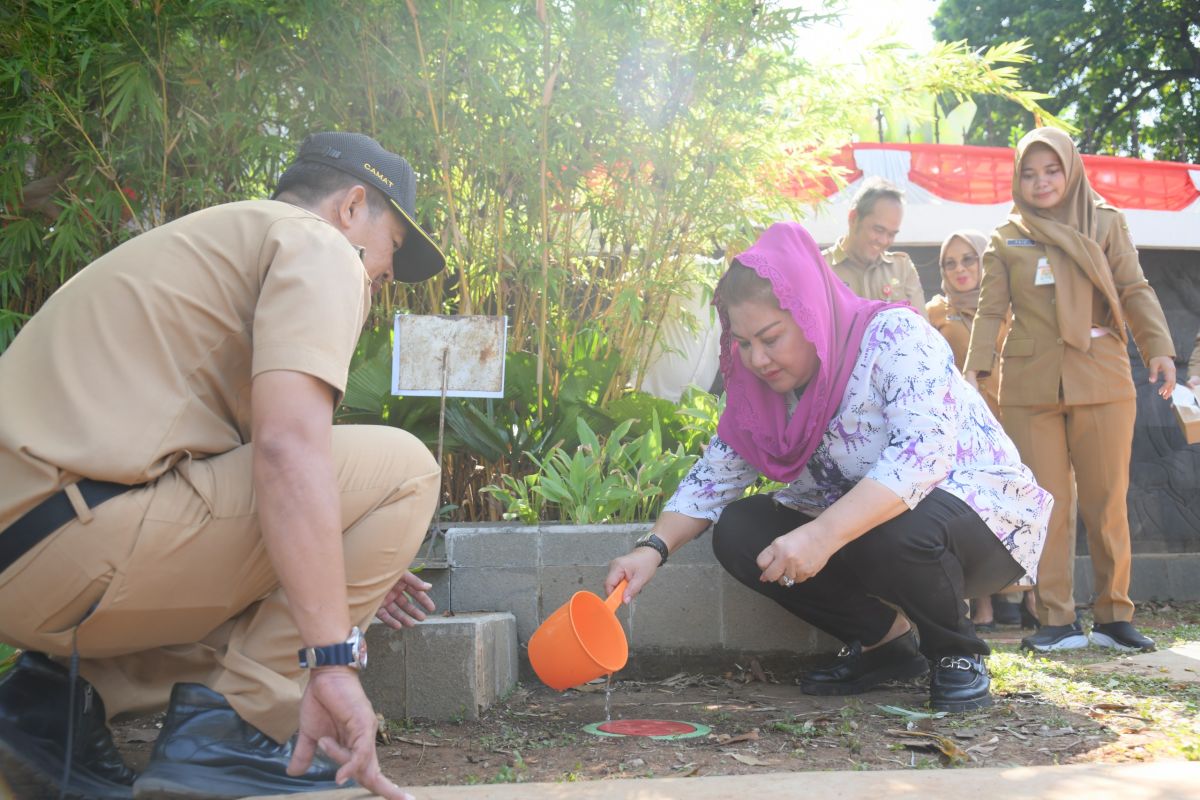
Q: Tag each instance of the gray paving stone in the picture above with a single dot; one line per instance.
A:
(445, 668)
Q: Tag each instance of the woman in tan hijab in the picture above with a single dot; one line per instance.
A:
(1065, 265)
(952, 313)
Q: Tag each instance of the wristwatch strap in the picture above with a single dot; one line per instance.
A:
(334, 655)
(656, 543)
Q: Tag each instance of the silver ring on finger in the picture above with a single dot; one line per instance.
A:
(787, 582)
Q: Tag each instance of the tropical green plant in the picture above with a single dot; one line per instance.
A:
(604, 479)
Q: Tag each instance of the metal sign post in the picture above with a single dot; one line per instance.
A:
(448, 356)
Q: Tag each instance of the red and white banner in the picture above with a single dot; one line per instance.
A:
(958, 186)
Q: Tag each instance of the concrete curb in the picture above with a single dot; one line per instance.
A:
(1178, 780)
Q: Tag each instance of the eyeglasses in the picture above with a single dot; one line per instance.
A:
(968, 261)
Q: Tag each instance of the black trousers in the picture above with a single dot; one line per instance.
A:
(925, 562)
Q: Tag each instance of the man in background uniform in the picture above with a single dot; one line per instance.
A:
(181, 522)
(861, 258)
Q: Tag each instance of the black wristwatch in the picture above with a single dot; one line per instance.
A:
(650, 540)
(350, 653)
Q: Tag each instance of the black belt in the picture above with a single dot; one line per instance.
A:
(49, 515)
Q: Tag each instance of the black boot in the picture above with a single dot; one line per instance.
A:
(206, 751)
(959, 683)
(854, 671)
(34, 700)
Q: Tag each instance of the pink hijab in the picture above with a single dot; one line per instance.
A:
(755, 422)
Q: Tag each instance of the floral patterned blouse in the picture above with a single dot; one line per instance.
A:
(909, 421)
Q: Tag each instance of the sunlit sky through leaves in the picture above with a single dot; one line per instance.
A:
(866, 21)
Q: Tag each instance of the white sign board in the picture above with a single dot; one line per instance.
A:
(471, 347)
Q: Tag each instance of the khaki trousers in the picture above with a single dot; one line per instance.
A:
(1097, 440)
(183, 589)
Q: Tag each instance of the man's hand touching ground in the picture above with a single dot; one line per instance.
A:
(336, 715)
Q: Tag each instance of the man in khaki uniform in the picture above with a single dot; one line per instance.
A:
(178, 515)
(861, 258)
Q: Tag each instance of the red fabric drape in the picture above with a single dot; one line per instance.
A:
(804, 186)
(983, 175)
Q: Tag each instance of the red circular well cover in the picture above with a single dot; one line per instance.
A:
(646, 727)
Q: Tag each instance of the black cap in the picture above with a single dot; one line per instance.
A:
(361, 156)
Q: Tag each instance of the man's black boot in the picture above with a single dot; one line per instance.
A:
(854, 671)
(959, 683)
(207, 751)
(34, 714)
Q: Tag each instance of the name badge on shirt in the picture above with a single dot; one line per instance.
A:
(1021, 243)
(1043, 276)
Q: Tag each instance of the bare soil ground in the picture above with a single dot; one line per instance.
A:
(1047, 711)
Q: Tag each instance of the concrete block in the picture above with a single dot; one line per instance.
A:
(563, 545)
(440, 593)
(698, 551)
(1183, 577)
(492, 547)
(556, 585)
(1148, 578)
(445, 668)
(753, 623)
(510, 589)
(680, 608)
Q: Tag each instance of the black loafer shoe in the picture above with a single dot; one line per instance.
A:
(854, 671)
(959, 683)
(34, 700)
(1121, 636)
(207, 751)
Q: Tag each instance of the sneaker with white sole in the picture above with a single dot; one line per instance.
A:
(1050, 638)
(1121, 636)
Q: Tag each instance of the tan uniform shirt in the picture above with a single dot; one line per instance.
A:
(890, 277)
(144, 358)
(953, 328)
(1035, 361)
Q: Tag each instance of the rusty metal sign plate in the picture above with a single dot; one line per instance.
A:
(471, 348)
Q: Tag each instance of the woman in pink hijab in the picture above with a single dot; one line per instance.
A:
(901, 490)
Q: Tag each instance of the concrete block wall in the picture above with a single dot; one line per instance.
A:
(692, 609)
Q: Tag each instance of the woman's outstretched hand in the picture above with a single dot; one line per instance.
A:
(637, 566)
(1164, 365)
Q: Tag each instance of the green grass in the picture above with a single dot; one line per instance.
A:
(1171, 710)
